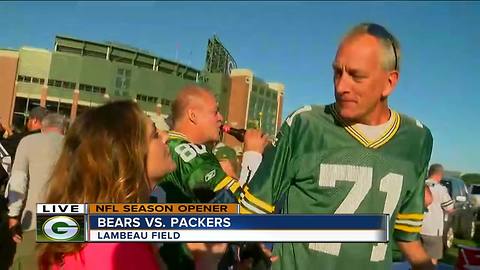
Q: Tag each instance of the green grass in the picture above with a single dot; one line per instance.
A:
(450, 256)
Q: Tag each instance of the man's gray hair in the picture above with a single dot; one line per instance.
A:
(55, 120)
(391, 46)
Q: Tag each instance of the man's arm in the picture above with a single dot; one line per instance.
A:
(416, 255)
(409, 219)
(250, 163)
(17, 190)
(446, 201)
(17, 186)
(274, 175)
(255, 143)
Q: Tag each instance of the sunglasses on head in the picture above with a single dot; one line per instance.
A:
(380, 32)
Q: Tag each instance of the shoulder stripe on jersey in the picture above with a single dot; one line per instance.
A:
(257, 202)
(446, 204)
(409, 222)
(225, 181)
(358, 135)
(177, 135)
(250, 207)
(244, 210)
(410, 217)
(234, 187)
(407, 228)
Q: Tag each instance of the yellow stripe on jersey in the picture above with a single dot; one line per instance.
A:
(251, 207)
(244, 210)
(257, 202)
(409, 223)
(407, 228)
(390, 129)
(358, 136)
(361, 138)
(410, 216)
(390, 132)
(234, 187)
(223, 183)
(177, 135)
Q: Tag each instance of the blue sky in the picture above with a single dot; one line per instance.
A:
(294, 43)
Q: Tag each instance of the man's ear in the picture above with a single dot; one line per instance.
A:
(192, 116)
(391, 83)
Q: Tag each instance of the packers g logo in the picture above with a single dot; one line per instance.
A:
(61, 228)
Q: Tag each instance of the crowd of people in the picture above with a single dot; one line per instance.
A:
(356, 155)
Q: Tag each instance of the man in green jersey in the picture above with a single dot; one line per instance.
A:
(353, 156)
(196, 123)
(199, 176)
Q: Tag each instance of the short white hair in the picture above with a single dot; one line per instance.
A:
(54, 120)
(390, 45)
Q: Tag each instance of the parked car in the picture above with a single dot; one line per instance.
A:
(474, 191)
(461, 223)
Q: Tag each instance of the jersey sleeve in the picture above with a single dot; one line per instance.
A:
(409, 219)
(272, 178)
(446, 200)
(203, 176)
(209, 173)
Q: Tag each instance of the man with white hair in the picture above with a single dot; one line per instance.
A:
(354, 156)
(34, 160)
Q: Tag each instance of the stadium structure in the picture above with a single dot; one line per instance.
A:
(78, 74)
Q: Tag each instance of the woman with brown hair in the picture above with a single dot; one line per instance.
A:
(112, 154)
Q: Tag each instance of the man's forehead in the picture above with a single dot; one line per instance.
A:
(202, 100)
(356, 52)
(209, 99)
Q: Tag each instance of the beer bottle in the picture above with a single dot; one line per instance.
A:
(238, 133)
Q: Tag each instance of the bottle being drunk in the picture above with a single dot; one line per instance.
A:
(238, 133)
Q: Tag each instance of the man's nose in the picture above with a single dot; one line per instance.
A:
(342, 84)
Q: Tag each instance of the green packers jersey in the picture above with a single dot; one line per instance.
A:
(320, 165)
(196, 179)
(198, 175)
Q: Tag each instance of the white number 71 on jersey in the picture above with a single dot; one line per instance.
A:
(362, 178)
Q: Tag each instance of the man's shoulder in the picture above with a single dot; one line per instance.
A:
(175, 138)
(415, 129)
(443, 188)
(35, 138)
(414, 125)
(310, 114)
(31, 138)
(435, 186)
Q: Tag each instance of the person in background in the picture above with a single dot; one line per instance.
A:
(399, 262)
(34, 125)
(432, 229)
(227, 157)
(5, 130)
(130, 156)
(36, 155)
(7, 246)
